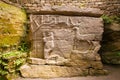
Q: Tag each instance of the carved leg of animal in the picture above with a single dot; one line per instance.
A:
(96, 47)
(95, 51)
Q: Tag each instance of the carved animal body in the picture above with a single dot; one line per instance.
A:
(89, 38)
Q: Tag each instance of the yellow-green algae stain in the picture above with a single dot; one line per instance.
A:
(12, 20)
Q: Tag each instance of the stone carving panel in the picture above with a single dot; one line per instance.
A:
(64, 46)
(60, 35)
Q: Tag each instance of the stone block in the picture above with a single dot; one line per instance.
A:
(49, 71)
(36, 61)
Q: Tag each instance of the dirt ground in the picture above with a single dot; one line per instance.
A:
(114, 71)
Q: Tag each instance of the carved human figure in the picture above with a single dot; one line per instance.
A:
(48, 38)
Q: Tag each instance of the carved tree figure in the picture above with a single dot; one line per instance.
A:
(48, 38)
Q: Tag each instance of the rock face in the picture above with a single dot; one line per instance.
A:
(109, 6)
(64, 46)
(111, 47)
(12, 28)
(66, 10)
(52, 71)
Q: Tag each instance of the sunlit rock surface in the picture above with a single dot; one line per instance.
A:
(12, 20)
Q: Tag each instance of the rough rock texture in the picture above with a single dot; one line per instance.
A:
(36, 61)
(79, 34)
(52, 71)
(110, 51)
(67, 10)
(109, 6)
(64, 46)
(12, 21)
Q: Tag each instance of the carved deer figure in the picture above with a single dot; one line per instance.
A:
(89, 38)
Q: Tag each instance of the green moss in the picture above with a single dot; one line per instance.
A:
(10, 55)
(10, 63)
(12, 30)
(111, 57)
(2, 78)
(6, 40)
(107, 19)
(24, 46)
(12, 22)
(110, 19)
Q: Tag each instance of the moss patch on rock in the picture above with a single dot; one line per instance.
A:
(110, 50)
(12, 24)
(111, 57)
(10, 63)
(12, 30)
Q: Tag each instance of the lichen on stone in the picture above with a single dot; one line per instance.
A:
(12, 28)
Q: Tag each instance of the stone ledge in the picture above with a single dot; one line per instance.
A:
(48, 71)
(67, 10)
(52, 71)
(36, 61)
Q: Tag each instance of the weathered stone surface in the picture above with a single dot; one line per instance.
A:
(52, 71)
(87, 34)
(97, 72)
(48, 71)
(56, 60)
(114, 27)
(109, 6)
(36, 61)
(66, 10)
(52, 60)
(66, 45)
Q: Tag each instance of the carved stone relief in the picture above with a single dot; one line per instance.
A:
(62, 34)
(64, 45)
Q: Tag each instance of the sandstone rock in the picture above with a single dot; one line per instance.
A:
(114, 27)
(36, 61)
(56, 60)
(52, 71)
(96, 64)
(69, 44)
(68, 10)
(47, 71)
(97, 72)
(89, 34)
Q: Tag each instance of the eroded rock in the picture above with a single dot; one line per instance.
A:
(51, 71)
(66, 45)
